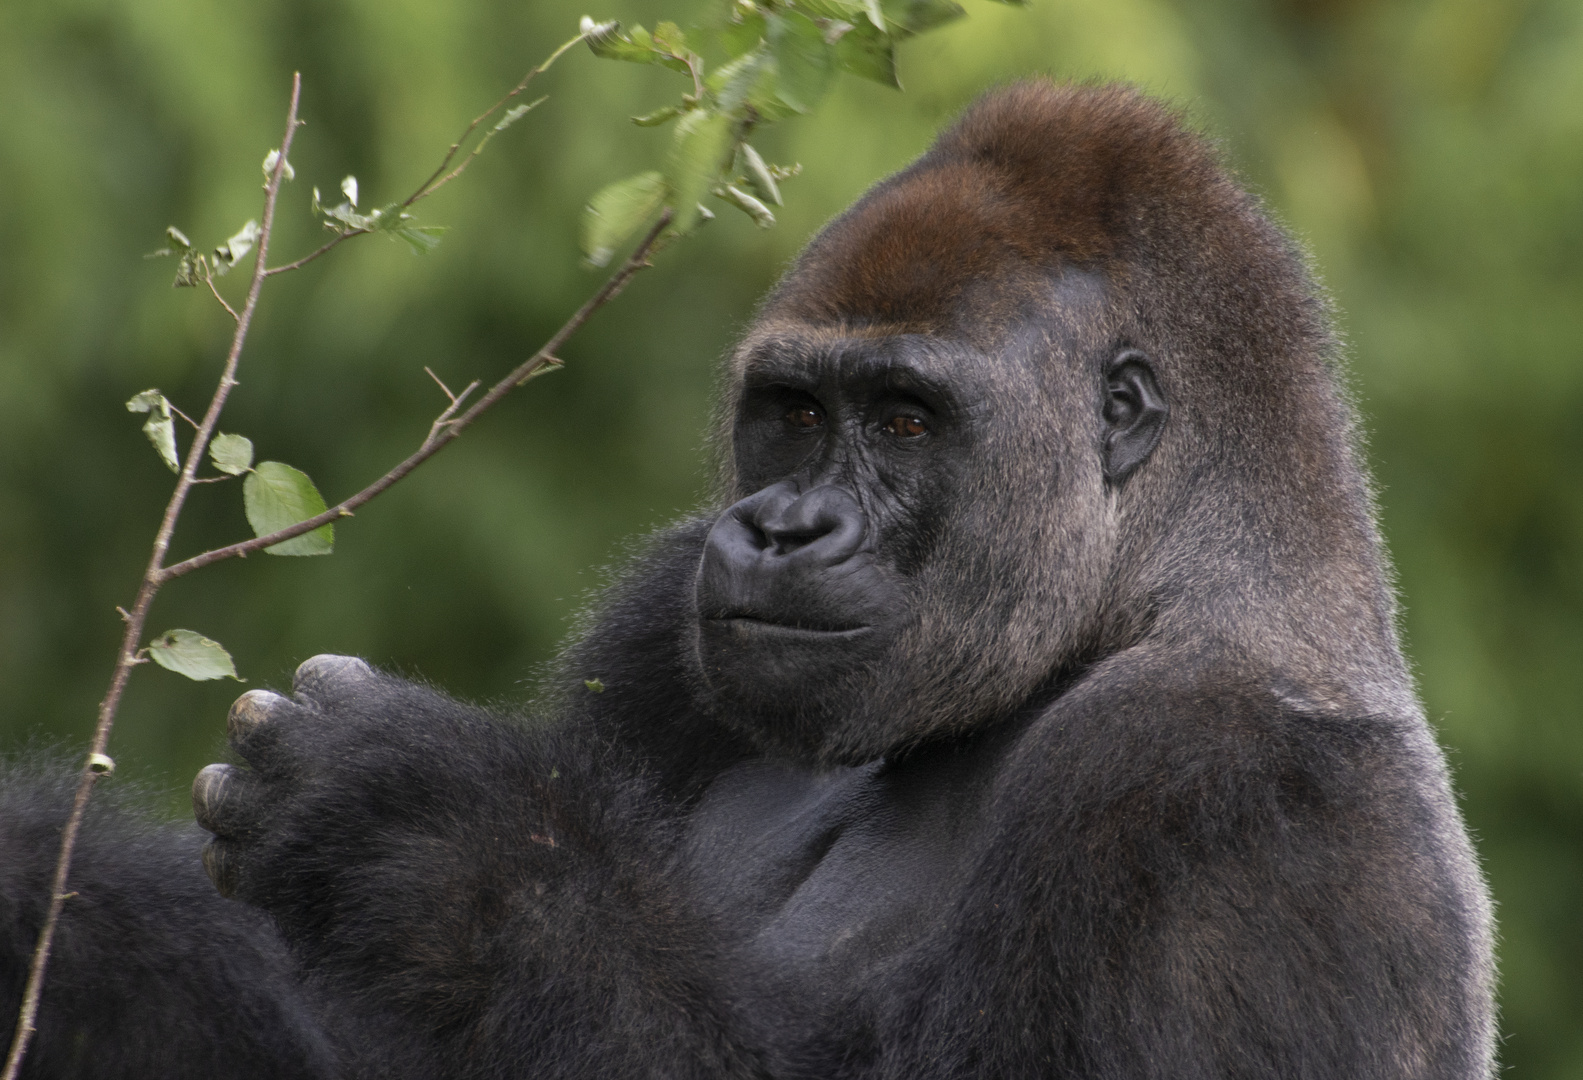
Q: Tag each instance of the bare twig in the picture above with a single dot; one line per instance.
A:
(208, 279)
(322, 249)
(153, 578)
(439, 177)
(450, 411)
(444, 430)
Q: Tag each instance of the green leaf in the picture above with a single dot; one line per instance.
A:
(609, 42)
(761, 214)
(748, 79)
(232, 454)
(916, 16)
(422, 239)
(398, 224)
(277, 496)
(595, 686)
(657, 117)
(701, 148)
(876, 16)
(759, 175)
(192, 655)
(669, 37)
(190, 270)
(178, 238)
(617, 212)
(148, 401)
(389, 218)
(517, 113)
(271, 159)
(743, 36)
(804, 61)
(228, 253)
(833, 9)
(868, 54)
(635, 46)
(349, 189)
(160, 428)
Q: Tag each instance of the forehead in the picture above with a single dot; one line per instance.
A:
(1050, 335)
(795, 354)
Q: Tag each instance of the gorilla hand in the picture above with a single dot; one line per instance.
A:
(370, 809)
(466, 866)
(267, 731)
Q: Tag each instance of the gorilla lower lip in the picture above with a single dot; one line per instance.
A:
(749, 624)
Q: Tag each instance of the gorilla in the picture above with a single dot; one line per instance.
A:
(1028, 704)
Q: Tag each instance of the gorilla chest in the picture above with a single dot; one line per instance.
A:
(817, 879)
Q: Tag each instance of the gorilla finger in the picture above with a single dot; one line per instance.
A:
(253, 720)
(326, 677)
(220, 862)
(225, 800)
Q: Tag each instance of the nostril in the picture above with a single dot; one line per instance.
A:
(825, 524)
(789, 541)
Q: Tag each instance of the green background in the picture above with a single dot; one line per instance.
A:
(1429, 152)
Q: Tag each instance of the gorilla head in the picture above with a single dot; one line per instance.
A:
(1056, 390)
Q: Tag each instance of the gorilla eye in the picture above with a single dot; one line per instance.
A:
(804, 416)
(906, 427)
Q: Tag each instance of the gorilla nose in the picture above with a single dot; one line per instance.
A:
(822, 527)
(793, 558)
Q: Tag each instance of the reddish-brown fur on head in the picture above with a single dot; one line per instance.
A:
(1033, 177)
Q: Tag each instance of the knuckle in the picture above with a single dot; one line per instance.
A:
(328, 670)
(250, 712)
(219, 862)
(209, 794)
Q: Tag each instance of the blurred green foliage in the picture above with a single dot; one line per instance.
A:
(1430, 153)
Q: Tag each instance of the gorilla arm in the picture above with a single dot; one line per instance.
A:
(468, 887)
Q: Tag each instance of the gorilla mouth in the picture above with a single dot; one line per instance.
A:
(760, 627)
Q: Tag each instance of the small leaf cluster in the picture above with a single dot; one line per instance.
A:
(194, 267)
(772, 59)
(275, 496)
(393, 220)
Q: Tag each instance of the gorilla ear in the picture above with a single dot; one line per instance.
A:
(1135, 411)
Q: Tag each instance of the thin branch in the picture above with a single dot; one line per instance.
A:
(190, 421)
(153, 578)
(208, 279)
(468, 160)
(439, 178)
(442, 434)
(321, 250)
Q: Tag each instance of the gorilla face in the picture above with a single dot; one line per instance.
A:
(851, 449)
(894, 546)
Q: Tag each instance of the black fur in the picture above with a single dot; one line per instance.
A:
(152, 974)
(1029, 705)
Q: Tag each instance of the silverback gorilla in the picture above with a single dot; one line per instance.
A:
(1029, 705)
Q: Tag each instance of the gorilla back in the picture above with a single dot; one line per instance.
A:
(1029, 705)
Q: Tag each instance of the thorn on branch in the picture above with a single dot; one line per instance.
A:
(191, 422)
(441, 383)
(449, 414)
(551, 363)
